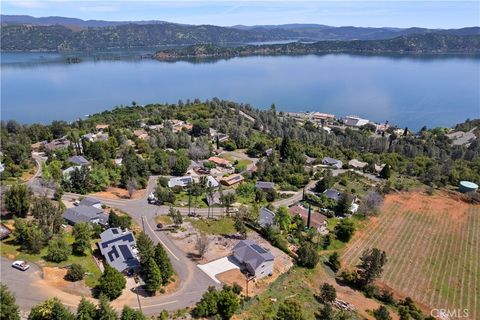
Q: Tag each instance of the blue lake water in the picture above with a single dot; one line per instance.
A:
(406, 90)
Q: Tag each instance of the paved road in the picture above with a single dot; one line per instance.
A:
(193, 282)
(22, 283)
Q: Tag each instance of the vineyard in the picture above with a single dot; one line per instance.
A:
(432, 245)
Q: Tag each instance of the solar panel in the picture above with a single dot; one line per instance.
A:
(115, 231)
(258, 248)
(127, 254)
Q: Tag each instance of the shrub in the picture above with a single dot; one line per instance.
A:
(75, 272)
(58, 250)
(307, 256)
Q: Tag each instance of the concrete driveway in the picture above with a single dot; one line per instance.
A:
(219, 266)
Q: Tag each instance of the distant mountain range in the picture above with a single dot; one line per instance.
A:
(26, 33)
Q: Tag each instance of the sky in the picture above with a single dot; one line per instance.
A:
(428, 14)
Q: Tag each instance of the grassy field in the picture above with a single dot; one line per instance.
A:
(12, 251)
(211, 226)
(432, 245)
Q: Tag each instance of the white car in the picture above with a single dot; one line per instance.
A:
(20, 265)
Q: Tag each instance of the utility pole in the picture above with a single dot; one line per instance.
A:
(309, 215)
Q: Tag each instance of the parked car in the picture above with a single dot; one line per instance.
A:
(76, 203)
(20, 265)
(152, 199)
(159, 226)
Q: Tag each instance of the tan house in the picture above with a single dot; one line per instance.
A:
(101, 127)
(141, 134)
(232, 180)
(220, 162)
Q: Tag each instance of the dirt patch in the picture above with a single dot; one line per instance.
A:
(119, 193)
(56, 277)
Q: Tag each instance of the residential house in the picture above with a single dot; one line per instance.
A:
(78, 160)
(379, 168)
(336, 195)
(119, 249)
(67, 172)
(332, 162)
(141, 134)
(264, 185)
(269, 152)
(220, 162)
(354, 121)
(212, 182)
(101, 127)
(318, 116)
(266, 218)
(91, 202)
(232, 179)
(180, 181)
(255, 259)
(84, 213)
(333, 194)
(60, 143)
(92, 137)
(317, 220)
(354, 163)
(38, 145)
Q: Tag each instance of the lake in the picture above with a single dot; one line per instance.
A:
(406, 90)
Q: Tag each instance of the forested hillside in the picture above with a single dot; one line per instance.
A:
(428, 43)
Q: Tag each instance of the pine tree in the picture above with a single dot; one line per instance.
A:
(111, 283)
(153, 277)
(386, 172)
(105, 310)
(130, 314)
(86, 310)
(163, 263)
(145, 248)
(8, 307)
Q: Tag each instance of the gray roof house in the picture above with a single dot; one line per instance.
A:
(78, 160)
(83, 213)
(333, 194)
(257, 260)
(266, 217)
(91, 202)
(180, 181)
(119, 249)
(332, 162)
(265, 185)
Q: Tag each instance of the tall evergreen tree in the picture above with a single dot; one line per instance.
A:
(51, 309)
(130, 314)
(153, 277)
(86, 310)
(111, 283)
(8, 308)
(146, 248)
(371, 265)
(163, 263)
(105, 310)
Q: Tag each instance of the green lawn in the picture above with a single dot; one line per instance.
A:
(11, 250)
(181, 200)
(211, 226)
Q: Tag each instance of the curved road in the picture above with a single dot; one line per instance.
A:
(193, 282)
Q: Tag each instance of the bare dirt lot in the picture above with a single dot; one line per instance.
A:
(119, 193)
(432, 244)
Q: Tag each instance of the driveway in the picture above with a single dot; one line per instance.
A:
(219, 266)
(21, 283)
